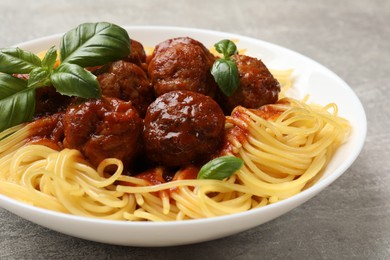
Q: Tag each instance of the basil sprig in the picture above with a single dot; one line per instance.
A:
(224, 70)
(90, 44)
(220, 168)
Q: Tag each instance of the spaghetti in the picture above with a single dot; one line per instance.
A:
(284, 146)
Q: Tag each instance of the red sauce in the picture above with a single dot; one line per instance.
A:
(154, 176)
(239, 131)
(48, 131)
(188, 173)
(267, 112)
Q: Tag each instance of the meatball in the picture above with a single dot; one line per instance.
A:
(103, 128)
(137, 53)
(182, 64)
(182, 127)
(257, 85)
(128, 82)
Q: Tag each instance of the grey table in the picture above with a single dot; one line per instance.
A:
(349, 220)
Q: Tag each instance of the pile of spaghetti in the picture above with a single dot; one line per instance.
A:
(282, 154)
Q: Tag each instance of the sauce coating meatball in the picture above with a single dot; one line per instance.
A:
(183, 127)
(128, 82)
(257, 85)
(48, 131)
(103, 128)
(182, 64)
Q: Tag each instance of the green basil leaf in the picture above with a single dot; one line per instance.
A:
(93, 44)
(39, 77)
(17, 102)
(225, 73)
(16, 60)
(73, 80)
(50, 58)
(220, 168)
(226, 47)
(9, 85)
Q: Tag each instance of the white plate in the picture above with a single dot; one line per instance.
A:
(310, 78)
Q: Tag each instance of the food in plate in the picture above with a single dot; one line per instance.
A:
(111, 132)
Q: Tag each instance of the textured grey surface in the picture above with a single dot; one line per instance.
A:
(349, 220)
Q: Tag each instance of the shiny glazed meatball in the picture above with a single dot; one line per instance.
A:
(257, 85)
(103, 128)
(182, 64)
(128, 82)
(182, 127)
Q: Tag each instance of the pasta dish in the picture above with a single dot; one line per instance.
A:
(181, 133)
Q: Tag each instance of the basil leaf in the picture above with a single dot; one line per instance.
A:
(225, 73)
(39, 77)
(17, 102)
(73, 80)
(220, 168)
(226, 47)
(93, 44)
(18, 61)
(50, 58)
(9, 85)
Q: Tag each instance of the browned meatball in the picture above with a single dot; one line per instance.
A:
(128, 82)
(137, 53)
(103, 128)
(257, 85)
(182, 127)
(182, 64)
